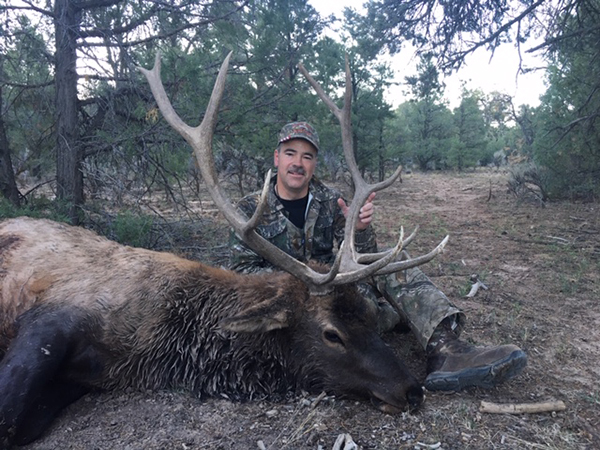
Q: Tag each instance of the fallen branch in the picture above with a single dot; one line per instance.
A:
(477, 284)
(531, 241)
(559, 239)
(521, 408)
(318, 400)
(475, 288)
(346, 441)
(429, 446)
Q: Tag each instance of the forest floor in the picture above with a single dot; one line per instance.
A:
(542, 269)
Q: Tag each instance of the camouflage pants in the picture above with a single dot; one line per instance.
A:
(421, 304)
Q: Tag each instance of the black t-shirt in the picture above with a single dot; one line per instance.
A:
(296, 210)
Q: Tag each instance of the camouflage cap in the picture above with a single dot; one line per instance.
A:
(299, 130)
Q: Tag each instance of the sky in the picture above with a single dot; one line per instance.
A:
(499, 73)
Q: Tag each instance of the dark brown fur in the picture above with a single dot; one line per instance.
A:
(78, 311)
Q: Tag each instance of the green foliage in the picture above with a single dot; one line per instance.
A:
(471, 140)
(569, 144)
(429, 127)
(396, 136)
(426, 85)
(29, 113)
(567, 139)
(37, 207)
(128, 147)
(528, 181)
(425, 133)
(132, 229)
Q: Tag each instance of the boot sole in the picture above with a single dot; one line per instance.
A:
(485, 377)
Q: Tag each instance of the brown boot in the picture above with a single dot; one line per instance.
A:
(453, 365)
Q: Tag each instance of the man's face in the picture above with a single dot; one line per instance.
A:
(296, 161)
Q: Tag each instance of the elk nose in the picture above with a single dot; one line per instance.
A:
(415, 396)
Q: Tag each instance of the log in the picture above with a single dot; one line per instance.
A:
(521, 408)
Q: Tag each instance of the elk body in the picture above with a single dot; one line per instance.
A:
(78, 311)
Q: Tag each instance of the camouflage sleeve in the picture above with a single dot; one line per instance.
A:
(365, 240)
(241, 257)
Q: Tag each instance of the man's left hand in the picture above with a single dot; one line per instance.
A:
(366, 212)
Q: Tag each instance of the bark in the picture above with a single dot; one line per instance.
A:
(8, 185)
(381, 154)
(69, 176)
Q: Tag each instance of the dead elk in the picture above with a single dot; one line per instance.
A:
(78, 312)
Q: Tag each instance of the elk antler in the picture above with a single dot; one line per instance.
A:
(349, 266)
(353, 263)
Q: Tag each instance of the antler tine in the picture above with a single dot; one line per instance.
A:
(200, 139)
(404, 264)
(385, 265)
(365, 258)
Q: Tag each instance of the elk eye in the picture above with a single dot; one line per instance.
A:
(333, 337)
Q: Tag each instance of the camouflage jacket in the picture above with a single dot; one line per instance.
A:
(323, 228)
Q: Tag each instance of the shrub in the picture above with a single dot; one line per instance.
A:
(132, 229)
(528, 181)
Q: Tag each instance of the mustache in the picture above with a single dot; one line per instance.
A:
(297, 170)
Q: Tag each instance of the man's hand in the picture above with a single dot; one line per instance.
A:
(366, 212)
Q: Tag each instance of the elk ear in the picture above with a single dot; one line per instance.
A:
(272, 314)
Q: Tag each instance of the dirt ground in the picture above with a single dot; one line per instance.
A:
(542, 269)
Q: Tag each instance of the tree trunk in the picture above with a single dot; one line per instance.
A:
(8, 185)
(69, 177)
(381, 153)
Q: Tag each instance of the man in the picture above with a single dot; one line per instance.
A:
(305, 218)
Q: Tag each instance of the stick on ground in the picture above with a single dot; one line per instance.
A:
(521, 408)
